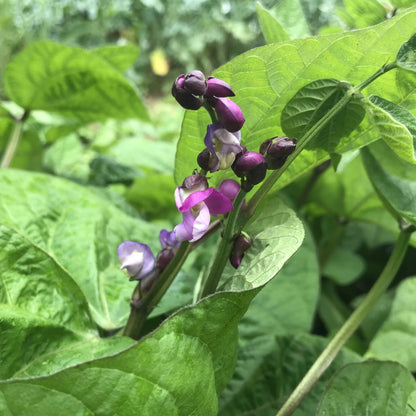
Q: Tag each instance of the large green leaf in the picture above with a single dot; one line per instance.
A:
(396, 340)
(72, 82)
(287, 303)
(177, 370)
(79, 231)
(371, 388)
(266, 78)
(269, 368)
(395, 125)
(393, 178)
(121, 57)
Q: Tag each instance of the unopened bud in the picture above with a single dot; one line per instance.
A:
(218, 88)
(276, 151)
(229, 114)
(164, 258)
(206, 160)
(241, 245)
(250, 165)
(195, 83)
(183, 96)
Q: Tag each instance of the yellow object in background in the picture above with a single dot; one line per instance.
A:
(159, 63)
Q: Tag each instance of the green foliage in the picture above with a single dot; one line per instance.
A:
(396, 338)
(380, 388)
(78, 231)
(269, 367)
(406, 57)
(393, 178)
(270, 27)
(72, 82)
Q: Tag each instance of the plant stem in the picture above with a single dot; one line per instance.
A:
(141, 307)
(381, 71)
(349, 327)
(223, 249)
(13, 141)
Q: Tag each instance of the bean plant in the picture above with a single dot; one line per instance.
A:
(105, 312)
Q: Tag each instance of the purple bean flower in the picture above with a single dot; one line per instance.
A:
(229, 188)
(168, 240)
(197, 205)
(136, 259)
(229, 114)
(222, 145)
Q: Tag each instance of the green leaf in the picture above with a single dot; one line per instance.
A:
(277, 233)
(266, 78)
(121, 57)
(6, 125)
(32, 345)
(311, 103)
(396, 340)
(290, 14)
(406, 57)
(72, 82)
(269, 368)
(344, 266)
(371, 388)
(105, 170)
(360, 14)
(294, 290)
(393, 178)
(272, 30)
(396, 126)
(79, 231)
(177, 370)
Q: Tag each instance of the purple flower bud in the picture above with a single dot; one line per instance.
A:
(276, 151)
(241, 245)
(195, 83)
(218, 88)
(195, 182)
(229, 114)
(250, 165)
(167, 240)
(164, 258)
(136, 259)
(183, 96)
(206, 160)
(229, 188)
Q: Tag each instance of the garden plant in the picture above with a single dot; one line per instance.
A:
(222, 297)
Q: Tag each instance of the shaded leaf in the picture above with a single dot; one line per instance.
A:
(406, 57)
(396, 340)
(393, 178)
(311, 103)
(371, 388)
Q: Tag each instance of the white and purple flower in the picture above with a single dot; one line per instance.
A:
(136, 259)
(197, 203)
(222, 145)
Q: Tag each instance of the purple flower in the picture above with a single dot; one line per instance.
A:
(197, 205)
(276, 150)
(217, 88)
(136, 259)
(229, 114)
(250, 165)
(186, 98)
(223, 146)
(168, 240)
(229, 188)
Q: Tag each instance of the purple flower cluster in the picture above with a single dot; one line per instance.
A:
(195, 199)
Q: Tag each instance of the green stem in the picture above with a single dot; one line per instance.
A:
(211, 113)
(141, 307)
(13, 141)
(381, 71)
(349, 327)
(223, 249)
(309, 135)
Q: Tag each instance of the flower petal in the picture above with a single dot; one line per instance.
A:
(136, 258)
(194, 199)
(217, 203)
